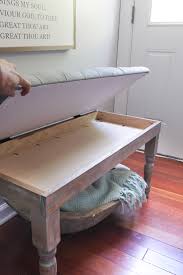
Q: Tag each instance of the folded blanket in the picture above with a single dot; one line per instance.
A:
(119, 184)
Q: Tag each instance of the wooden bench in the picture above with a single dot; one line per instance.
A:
(42, 169)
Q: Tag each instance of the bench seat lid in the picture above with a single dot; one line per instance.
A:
(56, 96)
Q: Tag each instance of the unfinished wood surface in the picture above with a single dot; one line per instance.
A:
(49, 165)
(56, 199)
(30, 139)
(136, 122)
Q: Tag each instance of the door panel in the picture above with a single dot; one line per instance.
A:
(160, 96)
(167, 11)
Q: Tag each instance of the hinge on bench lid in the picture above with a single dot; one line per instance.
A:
(5, 140)
(44, 127)
(133, 14)
(84, 114)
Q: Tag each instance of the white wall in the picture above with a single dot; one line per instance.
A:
(97, 36)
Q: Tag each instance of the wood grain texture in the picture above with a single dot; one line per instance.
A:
(164, 262)
(135, 122)
(163, 203)
(30, 139)
(108, 251)
(47, 166)
(65, 162)
(72, 222)
(109, 248)
(134, 243)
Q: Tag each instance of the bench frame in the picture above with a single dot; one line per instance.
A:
(44, 211)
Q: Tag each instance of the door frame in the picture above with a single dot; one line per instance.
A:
(124, 56)
(124, 49)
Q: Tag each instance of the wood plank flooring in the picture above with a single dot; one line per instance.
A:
(149, 243)
(166, 200)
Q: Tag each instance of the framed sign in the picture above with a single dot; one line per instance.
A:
(35, 25)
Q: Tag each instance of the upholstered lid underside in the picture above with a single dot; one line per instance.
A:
(57, 96)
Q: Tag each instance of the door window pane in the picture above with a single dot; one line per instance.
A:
(167, 11)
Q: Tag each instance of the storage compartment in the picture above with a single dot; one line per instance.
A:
(45, 162)
(48, 159)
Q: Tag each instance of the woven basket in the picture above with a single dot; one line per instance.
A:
(76, 222)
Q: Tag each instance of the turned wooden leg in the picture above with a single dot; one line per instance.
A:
(47, 263)
(46, 237)
(150, 153)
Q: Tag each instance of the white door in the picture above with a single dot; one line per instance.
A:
(158, 44)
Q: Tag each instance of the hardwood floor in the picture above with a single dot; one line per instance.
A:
(166, 200)
(149, 243)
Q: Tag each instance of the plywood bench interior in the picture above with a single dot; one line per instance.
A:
(48, 159)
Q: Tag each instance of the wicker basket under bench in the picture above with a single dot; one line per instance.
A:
(41, 170)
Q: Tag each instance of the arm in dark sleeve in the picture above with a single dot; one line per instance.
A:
(2, 98)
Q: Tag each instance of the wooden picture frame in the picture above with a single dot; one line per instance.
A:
(56, 29)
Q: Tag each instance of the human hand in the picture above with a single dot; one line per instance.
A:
(10, 79)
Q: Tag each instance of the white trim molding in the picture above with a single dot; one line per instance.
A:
(124, 49)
